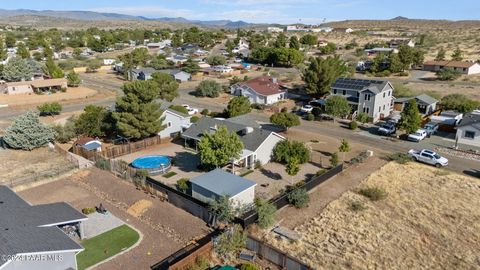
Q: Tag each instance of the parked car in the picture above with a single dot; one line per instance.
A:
(429, 157)
(431, 128)
(191, 111)
(387, 129)
(417, 136)
(306, 109)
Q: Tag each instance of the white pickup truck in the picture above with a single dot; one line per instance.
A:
(417, 136)
(429, 157)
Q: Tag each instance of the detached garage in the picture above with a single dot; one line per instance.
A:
(217, 183)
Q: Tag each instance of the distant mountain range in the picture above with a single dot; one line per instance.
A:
(99, 16)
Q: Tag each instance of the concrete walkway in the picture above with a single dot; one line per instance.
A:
(99, 223)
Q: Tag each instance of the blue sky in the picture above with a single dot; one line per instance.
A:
(272, 11)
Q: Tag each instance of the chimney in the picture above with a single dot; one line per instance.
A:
(247, 130)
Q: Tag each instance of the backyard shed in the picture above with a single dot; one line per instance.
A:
(218, 183)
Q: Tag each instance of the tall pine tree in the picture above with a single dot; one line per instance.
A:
(411, 119)
(137, 114)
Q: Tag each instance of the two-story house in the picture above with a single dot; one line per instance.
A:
(372, 97)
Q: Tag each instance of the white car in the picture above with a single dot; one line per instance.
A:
(418, 135)
(429, 157)
(191, 111)
(306, 109)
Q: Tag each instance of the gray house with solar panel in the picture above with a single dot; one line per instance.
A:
(372, 97)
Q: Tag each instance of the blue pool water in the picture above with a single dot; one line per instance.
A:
(151, 162)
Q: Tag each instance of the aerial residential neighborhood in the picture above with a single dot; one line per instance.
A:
(249, 135)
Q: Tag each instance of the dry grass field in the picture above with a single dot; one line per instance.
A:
(32, 99)
(15, 164)
(430, 219)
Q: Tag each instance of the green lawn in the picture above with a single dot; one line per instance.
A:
(106, 245)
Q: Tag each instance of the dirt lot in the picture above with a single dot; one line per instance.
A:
(165, 228)
(430, 219)
(16, 164)
(31, 99)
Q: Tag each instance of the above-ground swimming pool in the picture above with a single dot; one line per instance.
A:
(154, 164)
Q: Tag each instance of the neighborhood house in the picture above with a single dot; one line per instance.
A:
(217, 183)
(426, 104)
(36, 86)
(262, 90)
(175, 123)
(372, 97)
(258, 143)
(463, 67)
(468, 130)
(37, 229)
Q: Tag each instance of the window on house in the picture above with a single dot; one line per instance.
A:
(169, 124)
(367, 97)
(469, 134)
(344, 92)
(334, 91)
(384, 94)
(358, 94)
(384, 107)
(379, 108)
(366, 109)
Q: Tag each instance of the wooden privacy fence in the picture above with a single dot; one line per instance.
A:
(274, 255)
(115, 151)
(281, 200)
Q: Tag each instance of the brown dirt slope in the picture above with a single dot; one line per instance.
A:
(429, 220)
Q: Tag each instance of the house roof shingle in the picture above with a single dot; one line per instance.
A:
(453, 64)
(251, 141)
(21, 224)
(263, 85)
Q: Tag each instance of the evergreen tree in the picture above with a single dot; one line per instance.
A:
(406, 55)
(219, 148)
(457, 55)
(22, 51)
(137, 114)
(395, 63)
(294, 43)
(73, 79)
(191, 66)
(10, 40)
(27, 133)
(17, 69)
(322, 73)
(238, 106)
(208, 88)
(52, 69)
(292, 167)
(93, 121)
(344, 148)
(440, 55)
(411, 119)
(3, 51)
(281, 41)
(266, 213)
(167, 86)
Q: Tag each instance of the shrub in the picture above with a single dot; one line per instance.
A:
(182, 184)
(88, 210)
(316, 111)
(287, 149)
(140, 175)
(208, 88)
(334, 159)
(400, 158)
(248, 266)
(53, 108)
(284, 110)
(266, 213)
(205, 112)
(320, 172)
(357, 206)
(298, 197)
(373, 193)
(310, 117)
(258, 164)
(201, 263)
(194, 119)
(102, 164)
(353, 125)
